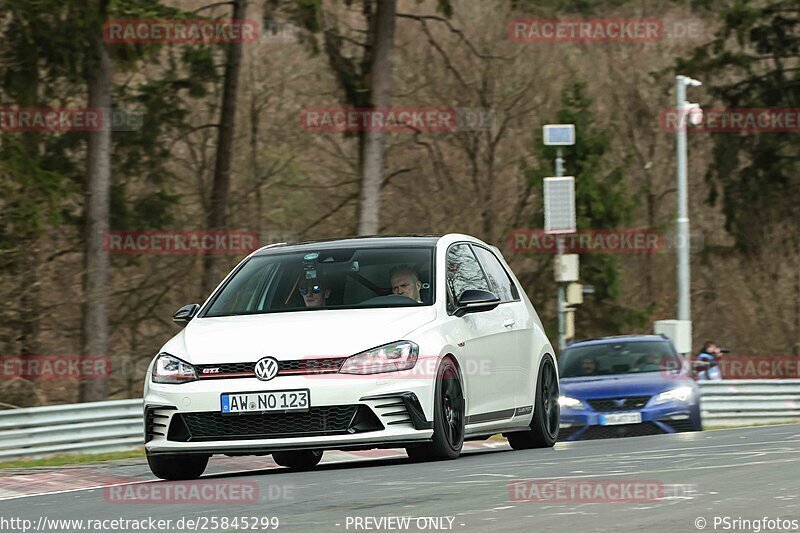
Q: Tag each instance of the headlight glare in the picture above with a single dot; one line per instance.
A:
(394, 357)
(680, 394)
(570, 403)
(170, 369)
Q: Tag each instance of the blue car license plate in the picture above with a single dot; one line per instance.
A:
(621, 418)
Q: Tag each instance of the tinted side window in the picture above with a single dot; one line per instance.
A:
(463, 271)
(247, 290)
(499, 281)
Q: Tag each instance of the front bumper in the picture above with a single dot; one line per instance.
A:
(672, 417)
(387, 411)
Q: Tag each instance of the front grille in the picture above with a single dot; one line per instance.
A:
(317, 421)
(311, 366)
(623, 430)
(246, 370)
(629, 403)
(225, 369)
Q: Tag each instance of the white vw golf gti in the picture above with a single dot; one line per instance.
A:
(380, 342)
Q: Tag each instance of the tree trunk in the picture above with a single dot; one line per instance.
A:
(96, 209)
(648, 258)
(30, 298)
(796, 346)
(30, 303)
(217, 218)
(372, 158)
(255, 167)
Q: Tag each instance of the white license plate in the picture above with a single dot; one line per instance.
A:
(262, 402)
(621, 418)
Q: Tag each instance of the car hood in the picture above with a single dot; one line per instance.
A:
(294, 335)
(648, 383)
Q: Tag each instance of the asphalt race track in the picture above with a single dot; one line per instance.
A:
(748, 473)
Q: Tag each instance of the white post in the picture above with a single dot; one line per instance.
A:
(562, 306)
(682, 223)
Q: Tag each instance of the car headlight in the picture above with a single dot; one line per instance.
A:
(170, 369)
(570, 403)
(681, 394)
(392, 357)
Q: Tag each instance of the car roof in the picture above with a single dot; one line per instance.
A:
(353, 242)
(617, 339)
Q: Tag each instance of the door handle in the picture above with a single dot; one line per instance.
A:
(508, 322)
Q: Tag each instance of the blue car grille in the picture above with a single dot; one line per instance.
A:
(629, 403)
(565, 433)
(626, 430)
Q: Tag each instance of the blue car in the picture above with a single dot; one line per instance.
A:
(624, 387)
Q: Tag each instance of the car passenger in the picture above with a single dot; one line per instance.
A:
(405, 281)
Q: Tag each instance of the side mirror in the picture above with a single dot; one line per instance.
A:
(472, 300)
(183, 315)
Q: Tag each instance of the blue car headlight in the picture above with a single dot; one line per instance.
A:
(567, 402)
(680, 394)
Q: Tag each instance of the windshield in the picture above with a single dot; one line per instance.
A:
(619, 358)
(338, 278)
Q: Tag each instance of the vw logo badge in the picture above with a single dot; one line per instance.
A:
(619, 403)
(266, 368)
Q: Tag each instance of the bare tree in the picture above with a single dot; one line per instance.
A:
(97, 199)
(217, 216)
(374, 145)
(357, 40)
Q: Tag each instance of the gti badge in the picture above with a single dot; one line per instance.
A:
(266, 368)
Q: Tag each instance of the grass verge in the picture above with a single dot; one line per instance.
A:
(63, 460)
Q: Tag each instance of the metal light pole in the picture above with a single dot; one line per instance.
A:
(684, 272)
(562, 304)
(559, 217)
